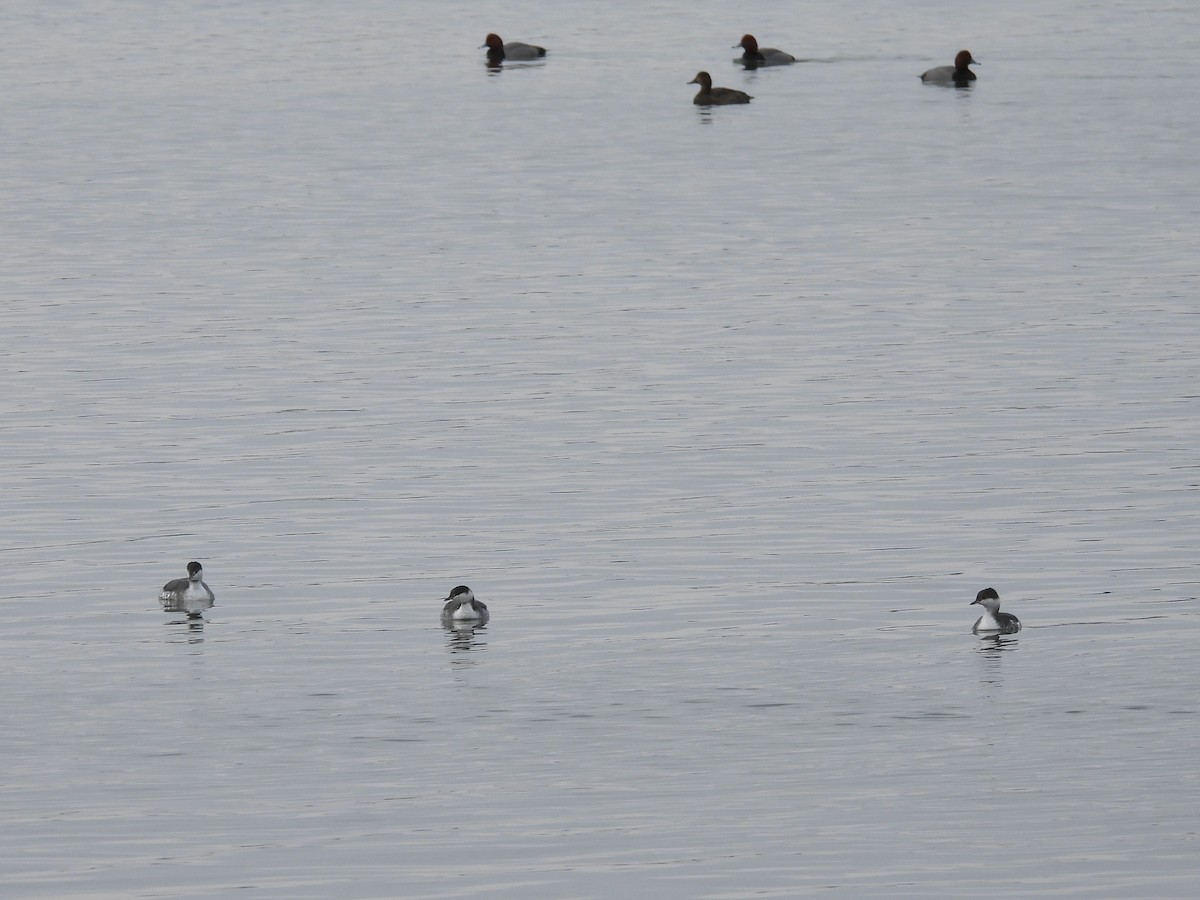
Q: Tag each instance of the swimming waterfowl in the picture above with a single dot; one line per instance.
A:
(189, 595)
(755, 56)
(993, 621)
(711, 96)
(958, 74)
(461, 606)
(498, 51)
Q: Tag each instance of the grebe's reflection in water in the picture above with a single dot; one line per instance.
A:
(462, 637)
(191, 633)
(993, 644)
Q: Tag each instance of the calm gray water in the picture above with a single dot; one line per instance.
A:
(727, 414)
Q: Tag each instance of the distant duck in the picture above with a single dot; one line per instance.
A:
(461, 606)
(993, 621)
(189, 595)
(720, 96)
(755, 56)
(498, 51)
(958, 74)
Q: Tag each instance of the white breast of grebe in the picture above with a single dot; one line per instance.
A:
(466, 611)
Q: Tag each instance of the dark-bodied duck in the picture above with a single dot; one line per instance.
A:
(498, 51)
(958, 74)
(755, 56)
(720, 96)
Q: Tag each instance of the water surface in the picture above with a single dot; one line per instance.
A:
(727, 414)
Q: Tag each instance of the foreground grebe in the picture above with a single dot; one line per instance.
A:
(992, 620)
(190, 595)
(958, 74)
(461, 606)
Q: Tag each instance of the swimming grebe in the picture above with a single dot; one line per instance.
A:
(461, 606)
(993, 621)
(190, 595)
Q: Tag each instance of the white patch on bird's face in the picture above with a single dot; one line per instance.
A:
(991, 604)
